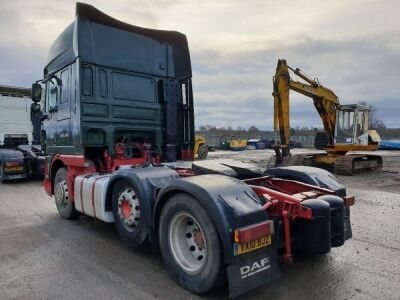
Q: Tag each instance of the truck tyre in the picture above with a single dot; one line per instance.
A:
(127, 210)
(189, 244)
(65, 207)
(203, 151)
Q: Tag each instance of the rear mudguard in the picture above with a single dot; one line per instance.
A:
(318, 177)
(310, 175)
(229, 202)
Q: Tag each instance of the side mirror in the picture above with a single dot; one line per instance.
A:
(36, 92)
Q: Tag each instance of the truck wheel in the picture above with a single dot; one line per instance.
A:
(203, 151)
(189, 244)
(126, 207)
(66, 208)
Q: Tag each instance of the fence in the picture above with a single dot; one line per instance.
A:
(214, 139)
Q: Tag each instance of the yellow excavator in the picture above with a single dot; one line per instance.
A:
(346, 126)
(200, 147)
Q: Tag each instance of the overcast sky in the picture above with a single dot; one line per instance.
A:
(351, 46)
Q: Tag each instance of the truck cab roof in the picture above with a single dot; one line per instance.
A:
(102, 40)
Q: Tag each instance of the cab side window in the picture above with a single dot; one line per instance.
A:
(65, 89)
(51, 101)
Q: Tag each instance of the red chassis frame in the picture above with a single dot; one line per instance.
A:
(282, 197)
(79, 165)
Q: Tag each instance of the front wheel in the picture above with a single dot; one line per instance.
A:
(66, 208)
(189, 244)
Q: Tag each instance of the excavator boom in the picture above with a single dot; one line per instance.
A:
(350, 133)
(324, 99)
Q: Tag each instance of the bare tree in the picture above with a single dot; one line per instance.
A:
(253, 129)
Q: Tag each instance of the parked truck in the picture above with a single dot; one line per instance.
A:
(118, 130)
(20, 121)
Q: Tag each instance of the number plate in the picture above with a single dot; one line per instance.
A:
(13, 169)
(239, 248)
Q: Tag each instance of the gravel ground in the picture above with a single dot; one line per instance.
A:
(45, 257)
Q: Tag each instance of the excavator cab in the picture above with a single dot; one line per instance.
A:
(352, 124)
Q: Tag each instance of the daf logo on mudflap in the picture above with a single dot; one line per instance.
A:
(254, 268)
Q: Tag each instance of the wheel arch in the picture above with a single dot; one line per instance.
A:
(55, 166)
(147, 181)
(310, 175)
(229, 204)
(167, 194)
(139, 189)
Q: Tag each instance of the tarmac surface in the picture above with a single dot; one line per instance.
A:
(45, 257)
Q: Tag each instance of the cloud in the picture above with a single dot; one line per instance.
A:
(352, 46)
(359, 68)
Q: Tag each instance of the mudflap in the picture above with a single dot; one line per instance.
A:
(252, 272)
(348, 233)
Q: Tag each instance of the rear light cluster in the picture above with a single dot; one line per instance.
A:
(349, 200)
(12, 164)
(253, 232)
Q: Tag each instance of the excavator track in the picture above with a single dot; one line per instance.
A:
(357, 163)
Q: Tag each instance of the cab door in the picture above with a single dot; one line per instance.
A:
(63, 135)
(51, 110)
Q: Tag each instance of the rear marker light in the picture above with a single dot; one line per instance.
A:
(253, 232)
(349, 200)
(236, 236)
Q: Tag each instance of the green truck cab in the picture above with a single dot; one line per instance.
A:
(107, 82)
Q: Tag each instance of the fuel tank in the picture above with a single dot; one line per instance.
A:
(90, 196)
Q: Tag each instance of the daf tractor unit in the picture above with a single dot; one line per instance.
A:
(20, 121)
(118, 133)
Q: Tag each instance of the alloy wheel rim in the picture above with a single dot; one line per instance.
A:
(129, 209)
(187, 242)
